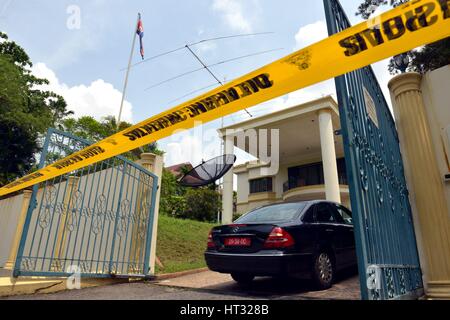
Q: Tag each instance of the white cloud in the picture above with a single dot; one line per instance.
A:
(188, 149)
(310, 34)
(195, 145)
(233, 14)
(206, 47)
(317, 91)
(99, 99)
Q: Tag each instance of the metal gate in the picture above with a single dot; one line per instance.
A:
(96, 221)
(386, 246)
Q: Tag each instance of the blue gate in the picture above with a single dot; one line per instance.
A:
(96, 221)
(386, 246)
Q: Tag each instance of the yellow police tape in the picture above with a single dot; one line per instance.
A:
(411, 25)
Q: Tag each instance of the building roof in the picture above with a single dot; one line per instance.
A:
(177, 170)
(326, 102)
(296, 130)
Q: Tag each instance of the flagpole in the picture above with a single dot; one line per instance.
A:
(128, 72)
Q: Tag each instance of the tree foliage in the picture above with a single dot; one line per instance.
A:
(201, 204)
(424, 59)
(26, 112)
(93, 130)
(172, 201)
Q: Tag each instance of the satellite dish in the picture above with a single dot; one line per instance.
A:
(208, 172)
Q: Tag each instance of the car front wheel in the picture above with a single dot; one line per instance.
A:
(323, 271)
(242, 278)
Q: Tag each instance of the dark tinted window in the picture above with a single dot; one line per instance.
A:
(343, 215)
(261, 185)
(324, 214)
(312, 174)
(342, 171)
(307, 175)
(309, 215)
(276, 213)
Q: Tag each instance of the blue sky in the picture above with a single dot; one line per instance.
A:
(83, 58)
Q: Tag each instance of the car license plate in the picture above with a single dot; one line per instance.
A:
(238, 242)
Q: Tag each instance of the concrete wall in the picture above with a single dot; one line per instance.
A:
(436, 95)
(9, 216)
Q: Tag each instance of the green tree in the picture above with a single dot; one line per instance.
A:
(172, 201)
(424, 59)
(26, 112)
(93, 130)
(203, 204)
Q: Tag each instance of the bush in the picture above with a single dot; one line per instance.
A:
(202, 204)
(172, 201)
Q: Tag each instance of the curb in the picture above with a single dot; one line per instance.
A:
(178, 274)
(31, 286)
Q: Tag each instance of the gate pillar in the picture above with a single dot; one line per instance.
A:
(424, 181)
(154, 163)
(330, 172)
(15, 244)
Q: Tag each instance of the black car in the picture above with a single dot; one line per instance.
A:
(311, 238)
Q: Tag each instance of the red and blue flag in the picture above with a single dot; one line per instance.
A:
(140, 33)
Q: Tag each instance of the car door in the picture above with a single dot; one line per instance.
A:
(346, 233)
(307, 232)
(329, 232)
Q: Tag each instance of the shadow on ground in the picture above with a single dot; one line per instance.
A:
(346, 287)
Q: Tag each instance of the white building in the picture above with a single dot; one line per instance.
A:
(311, 159)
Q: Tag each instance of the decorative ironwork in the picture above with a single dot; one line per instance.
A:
(384, 230)
(90, 218)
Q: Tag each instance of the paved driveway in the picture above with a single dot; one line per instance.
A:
(212, 286)
(346, 287)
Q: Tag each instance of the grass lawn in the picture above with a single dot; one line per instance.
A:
(181, 244)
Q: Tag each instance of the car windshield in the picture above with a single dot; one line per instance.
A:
(276, 213)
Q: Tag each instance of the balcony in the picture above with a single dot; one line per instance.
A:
(299, 190)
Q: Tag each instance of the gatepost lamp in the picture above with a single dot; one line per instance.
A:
(401, 62)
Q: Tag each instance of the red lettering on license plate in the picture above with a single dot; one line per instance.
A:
(238, 242)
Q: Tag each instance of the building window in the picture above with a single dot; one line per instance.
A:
(307, 175)
(342, 171)
(261, 185)
(312, 175)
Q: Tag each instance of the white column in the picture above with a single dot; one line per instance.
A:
(227, 192)
(154, 163)
(425, 182)
(330, 172)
